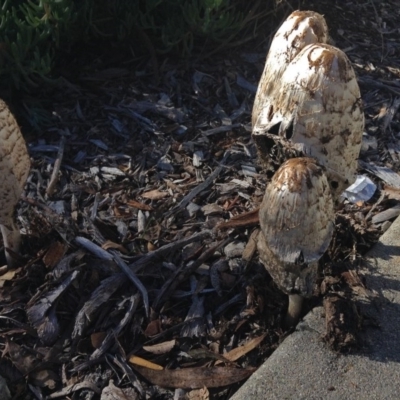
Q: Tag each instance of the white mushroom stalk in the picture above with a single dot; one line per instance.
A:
(14, 170)
(297, 223)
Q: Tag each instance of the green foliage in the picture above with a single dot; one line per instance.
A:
(181, 26)
(30, 32)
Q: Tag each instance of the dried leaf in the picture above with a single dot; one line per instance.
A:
(45, 378)
(54, 254)
(23, 360)
(212, 209)
(151, 246)
(97, 339)
(154, 195)
(238, 352)
(112, 392)
(161, 348)
(198, 394)
(145, 363)
(138, 205)
(8, 276)
(153, 328)
(195, 378)
(391, 192)
(108, 244)
(246, 219)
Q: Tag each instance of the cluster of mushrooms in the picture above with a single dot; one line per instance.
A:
(308, 105)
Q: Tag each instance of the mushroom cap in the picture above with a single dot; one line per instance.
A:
(316, 111)
(297, 31)
(297, 223)
(14, 164)
(290, 278)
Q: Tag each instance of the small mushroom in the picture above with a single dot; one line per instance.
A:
(297, 224)
(14, 168)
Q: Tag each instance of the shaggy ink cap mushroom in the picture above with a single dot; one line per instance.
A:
(14, 170)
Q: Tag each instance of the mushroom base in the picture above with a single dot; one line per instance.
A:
(12, 241)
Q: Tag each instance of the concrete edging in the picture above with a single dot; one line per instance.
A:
(303, 367)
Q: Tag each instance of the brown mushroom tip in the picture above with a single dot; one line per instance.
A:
(300, 29)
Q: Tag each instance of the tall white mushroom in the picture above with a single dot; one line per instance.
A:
(316, 111)
(312, 110)
(14, 170)
(297, 31)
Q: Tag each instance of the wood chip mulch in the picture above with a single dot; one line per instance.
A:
(140, 276)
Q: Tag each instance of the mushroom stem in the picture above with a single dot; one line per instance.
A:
(11, 240)
(294, 310)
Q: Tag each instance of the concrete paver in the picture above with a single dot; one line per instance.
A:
(303, 367)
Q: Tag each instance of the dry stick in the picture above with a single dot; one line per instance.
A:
(74, 388)
(391, 112)
(114, 254)
(381, 198)
(121, 363)
(56, 169)
(118, 280)
(93, 248)
(183, 273)
(109, 340)
(167, 332)
(134, 279)
(380, 85)
(168, 249)
(219, 129)
(198, 189)
(379, 30)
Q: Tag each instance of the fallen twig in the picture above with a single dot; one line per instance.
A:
(199, 188)
(183, 273)
(56, 168)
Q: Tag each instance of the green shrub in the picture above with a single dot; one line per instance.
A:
(31, 31)
(180, 26)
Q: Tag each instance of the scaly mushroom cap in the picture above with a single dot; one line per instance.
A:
(317, 112)
(14, 163)
(14, 170)
(299, 29)
(297, 224)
